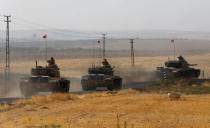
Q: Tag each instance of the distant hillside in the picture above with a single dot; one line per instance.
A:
(65, 34)
(67, 43)
(115, 44)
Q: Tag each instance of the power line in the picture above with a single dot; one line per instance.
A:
(20, 24)
(49, 27)
(55, 30)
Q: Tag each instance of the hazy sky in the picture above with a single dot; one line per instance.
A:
(107, 15)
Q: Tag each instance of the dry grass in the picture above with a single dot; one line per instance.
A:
(39, 100)
(206, 84)
(127, 108)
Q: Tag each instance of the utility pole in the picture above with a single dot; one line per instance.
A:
(132, 53)
(7, 66)
(104, 38)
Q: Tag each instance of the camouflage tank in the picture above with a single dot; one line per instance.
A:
(102, 76)
(178, 69)
(44, 79)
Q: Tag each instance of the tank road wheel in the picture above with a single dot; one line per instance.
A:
(114, 87)
(110, 87)
(65, 84)
(116, 84)
(26, 90)
(61, 86)
(118, 87)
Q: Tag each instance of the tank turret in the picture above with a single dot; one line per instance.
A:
(180, 63)
(45, 71)
(101, 70)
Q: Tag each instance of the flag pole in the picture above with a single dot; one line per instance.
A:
(173, 41)
(99, 50)
(99, 43)
(45, 38)
(46, 49)
(174, 50)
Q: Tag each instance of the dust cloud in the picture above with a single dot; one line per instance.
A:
(10, 88)
(135, 74)
(75, 85)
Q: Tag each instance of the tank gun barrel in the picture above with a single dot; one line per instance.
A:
(192, 64)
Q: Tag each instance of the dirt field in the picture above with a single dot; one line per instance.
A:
(127, 108)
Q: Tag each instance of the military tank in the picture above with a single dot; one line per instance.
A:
(177, 69)
(44, 79)
(101, 76)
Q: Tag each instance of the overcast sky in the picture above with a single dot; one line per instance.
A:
(107, 15)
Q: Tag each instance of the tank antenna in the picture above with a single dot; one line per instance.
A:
(36, 63)
(99, 43)
(104, 51)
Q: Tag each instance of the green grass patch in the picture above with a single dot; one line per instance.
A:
(183, 87)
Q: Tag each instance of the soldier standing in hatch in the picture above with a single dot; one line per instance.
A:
(51, 63)
(107, 66)
(183, 61)
(106, 63)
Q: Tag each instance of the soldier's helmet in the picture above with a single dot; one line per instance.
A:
(106, 64)
(52, 59)
(180, 58)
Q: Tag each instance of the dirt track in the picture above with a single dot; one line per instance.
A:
(125, 86)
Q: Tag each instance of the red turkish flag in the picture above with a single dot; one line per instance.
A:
(45, 37)
(172, 41)
(99, 41)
